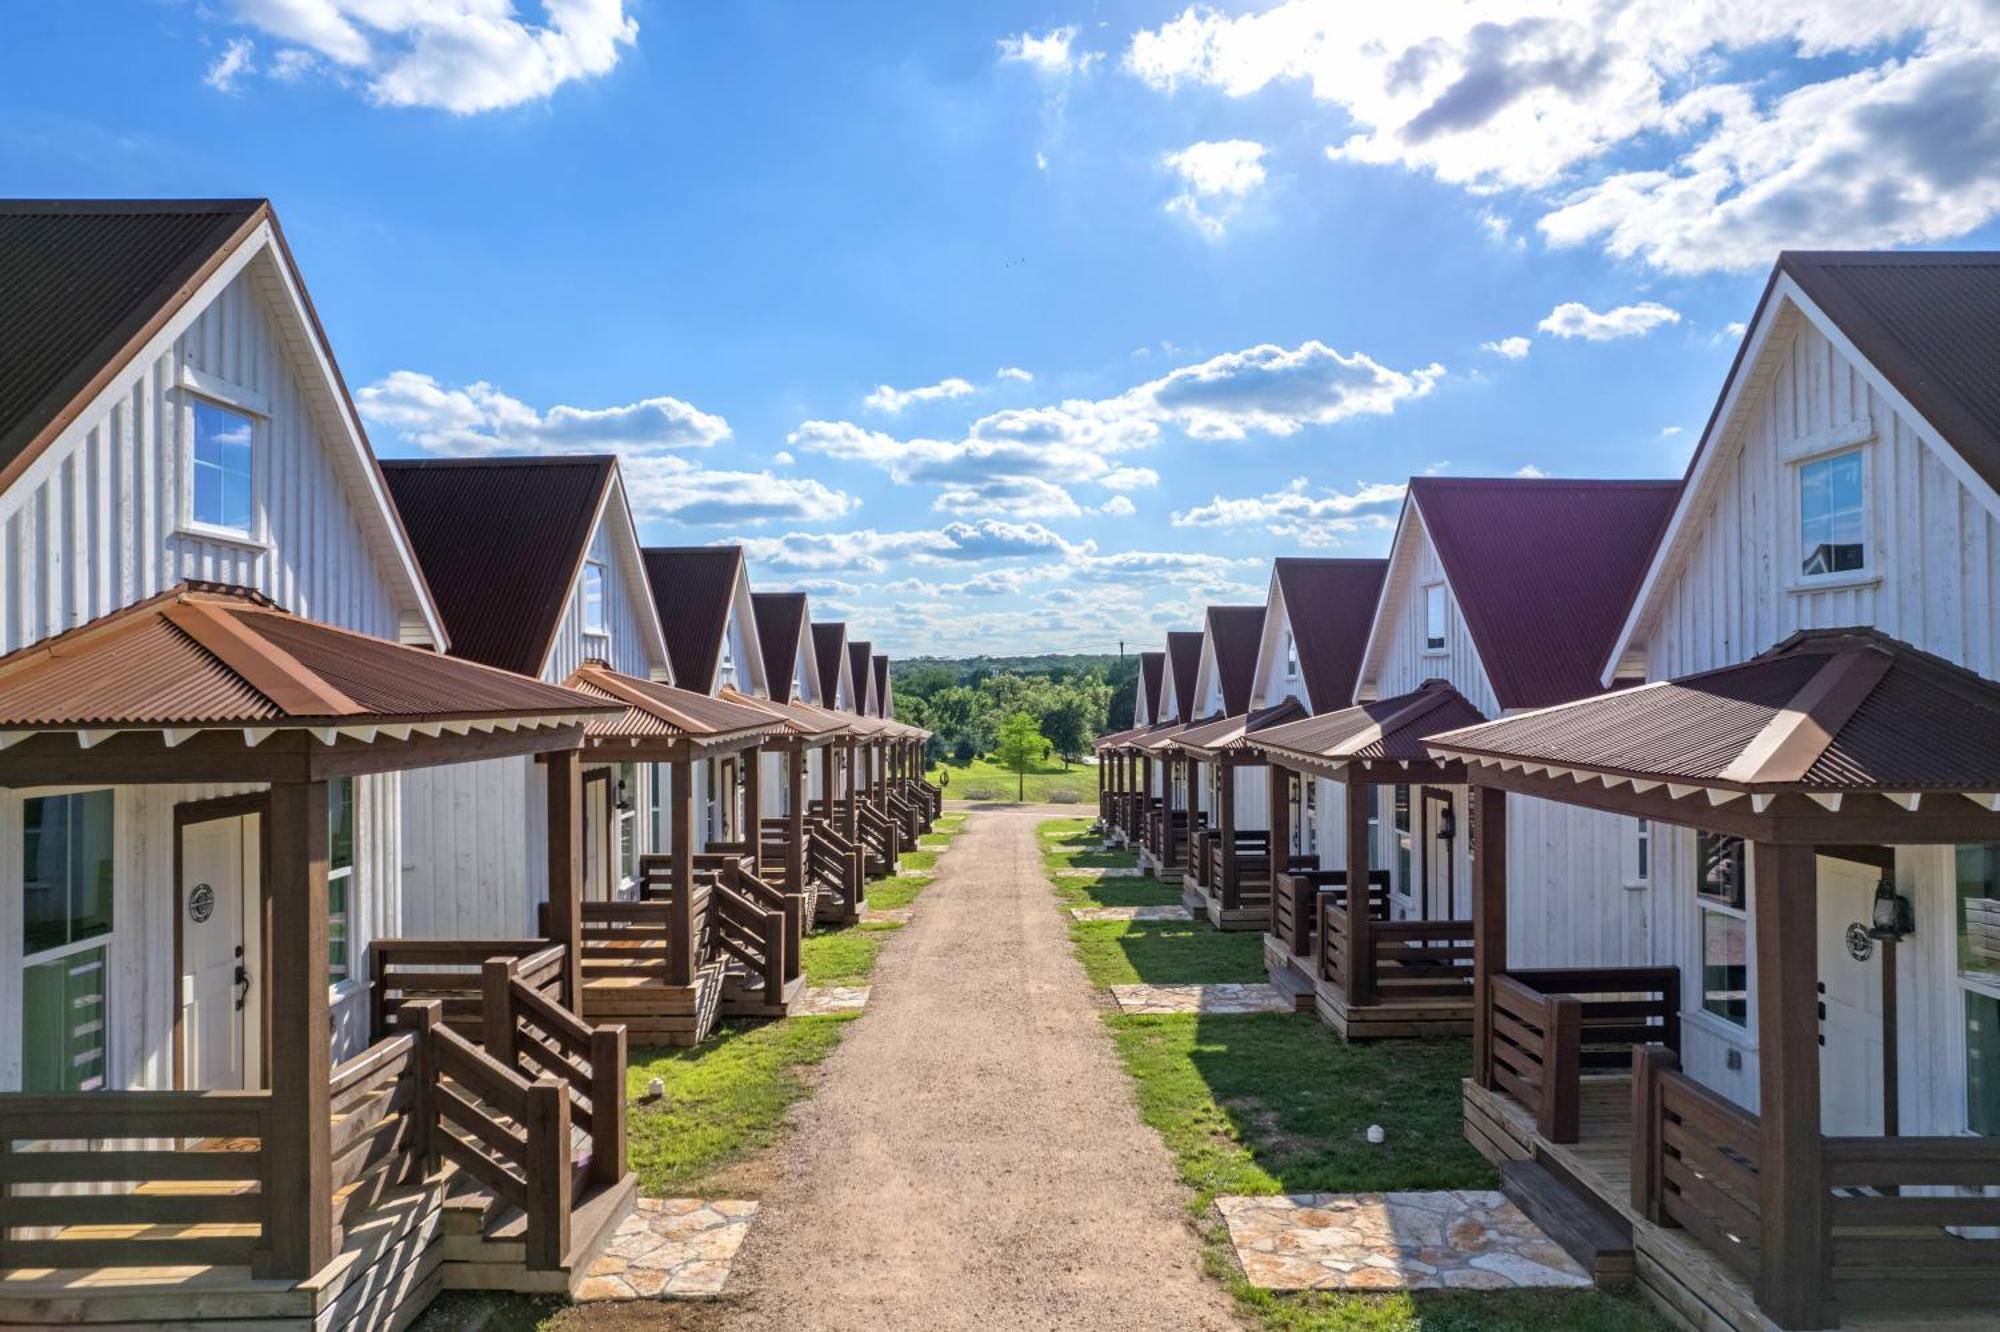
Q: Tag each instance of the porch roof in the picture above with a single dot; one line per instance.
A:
(798, 719)
(653, 710)
(1388, 729)
(1158, 738)
(1237, 734)
(1827, 711)
(1119, 739)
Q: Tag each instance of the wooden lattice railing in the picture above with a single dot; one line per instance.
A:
(1549, 1025)
(450, 971)
(1301, 896)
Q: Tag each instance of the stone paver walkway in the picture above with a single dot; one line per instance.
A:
(670, 1248)
(1132, 913)
(1100, 872)
(827, 1000)
(1230, 998)
(1444, 1240)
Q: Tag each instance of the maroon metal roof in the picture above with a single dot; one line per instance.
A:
(205, 655)
(1827, 709)
(1119, 739)
(1388, 728)
(1184, 660)
(1235, 633)
(781, 620)
(1330, 605)
(859, 655)
(885, 703)
(1224, 734)
(830, 650)
(799, 718)
(1152, 668)
(653, 709)
(500, 541)
(693, 587)
(1543, 571)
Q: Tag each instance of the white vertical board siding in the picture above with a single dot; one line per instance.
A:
(625, 648)
(467, 872)
(94, 524)
(1404, 663)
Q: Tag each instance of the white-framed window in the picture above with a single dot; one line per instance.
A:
(1291, 656)
(222, 468)
(1638, 855)
(339, 878)
(1310, 824)
(1434, 617)
(1833, 515)
(596, 592)
(725, 670)
(1405, 842)
(625, 809)
(1977, 874)
(1722, 921)
(67, 853)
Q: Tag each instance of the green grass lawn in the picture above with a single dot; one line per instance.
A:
(843, 956)
(1069, 844)
(898, 891)
(969, 780)
(1165, 952)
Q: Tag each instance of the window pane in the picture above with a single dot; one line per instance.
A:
(340, 823)
(593, 598)
(65, 869)
(1831, 536)
(1434, 616)
(89, 865)
(1725, 967)
(222, 462)
(1982, 1063)
(337, 886)
(1719, 867)
(1979, 911)
(62, 1023)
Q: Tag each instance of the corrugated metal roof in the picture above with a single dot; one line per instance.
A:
(201, 655)
(654, 709)
(693, 587)
(1119, 739)
(1225, 734)
(798, 718)
(830, 650)
(781, 619)
(80, 280)
(1388, 728)
(1184, 659)
(500, 541)
(1152, 669)
(1924, 724)
(858, 658)
(1235, 633)
(1330, 605)
(885, 703)
(1543, 571)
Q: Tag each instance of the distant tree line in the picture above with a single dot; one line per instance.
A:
(965, 704)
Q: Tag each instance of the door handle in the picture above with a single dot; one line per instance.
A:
(242, 985)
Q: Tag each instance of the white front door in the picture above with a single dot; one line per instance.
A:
(596, 815)
(1850, 1057)
(221, 955)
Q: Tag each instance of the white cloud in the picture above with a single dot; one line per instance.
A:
(1216, 178)
(1499, 230)
(1668, 432)
(782, 458)
(674, 489)
(894, 400)
(1309, 515)
(867, 550)
(1118, 506)
(1529, 470)
(1574, 319)
(478, 418)
(463, 56)
(1015, 373)
(1513, 348)
(232, 64)
(292, 64)
(1619, 115)
(1051, 53)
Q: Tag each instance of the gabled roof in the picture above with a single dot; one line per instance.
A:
(1542, 570)
(502, 541)
(656, 710)
(885, 703)
(1234, 633)
(1152, 668)
(1827, 710)
(1184, 660)
(781, 621)
(859, 659)
(830, 650)
(200, 655)
(1391, 729)
(1329, 606)
(694, 588)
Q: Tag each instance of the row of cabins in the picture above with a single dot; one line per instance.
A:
(1682, 799)
(356, 815)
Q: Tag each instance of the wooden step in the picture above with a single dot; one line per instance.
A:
(1296, 987)
(1585, 1227)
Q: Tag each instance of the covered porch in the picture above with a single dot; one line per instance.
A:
(1837, 1189)
(1229, 875)
(1158, 807)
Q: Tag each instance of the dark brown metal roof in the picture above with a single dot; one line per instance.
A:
(1827, 710)
(1184, 660)
(800, 719)
(1543, 571)
(830, 650)
(1330, 605)
(655, 710)
(1119, 739)
(693, 587)
(885, 703)
(1392, 729)
(501, 541)
(859, 656)
(1152, 668)
(1235, 633)
(781, 620)
(83, 283)
(1227, 734)
(203, 655)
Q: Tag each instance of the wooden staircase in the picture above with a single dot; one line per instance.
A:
(1586, 1228)
(486, 1248)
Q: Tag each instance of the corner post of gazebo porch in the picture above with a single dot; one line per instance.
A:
(1278, 790)
(564, 771)
(1791, 1184)
(680, 773)
(795, 818)
(1489, 919)
(1359, 964)
(1225, 819)
(1192, 788)
(849, 819)
(752, 769)
(298, 1141)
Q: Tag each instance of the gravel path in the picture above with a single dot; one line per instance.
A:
(973, 1158)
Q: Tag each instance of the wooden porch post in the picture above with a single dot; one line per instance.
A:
(687, 949)
(849, 755)
(298, 1140)
(1489, 919)
(795, 820)
(564, 770)
(1359, 964)
(1188, 773)
(1791, 1185)
(753, 805)
(1278, 786)
(1225, 818)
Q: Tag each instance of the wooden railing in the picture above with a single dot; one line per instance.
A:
(903, 818)
(1905, 1234)
(878, 838)
(1296, 906)
(1422, 959)
(450, 971)
(190, 1163)
(535, 1038)
(757, 926)
(834, 862)
(1694, 1160)
(1330, 949)
(1246, 865)
(1551, 1025)
(381, 1136)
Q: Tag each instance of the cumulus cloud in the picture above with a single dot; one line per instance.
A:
(894, 400)
(1310, 515)
(1513, 348)
(1015, 373)
(232, 64)
(478, 418)
(1619, 115)
(1574, 319)
(675, 489)
(1052, 53)
(868, 550)
(1529, 470)
(1216, 178)
(463, 56)
(1118, 506)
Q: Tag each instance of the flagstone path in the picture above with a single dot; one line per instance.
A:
(827, 1000)
(1132, 913)
(677, 1248)
(1225, 998)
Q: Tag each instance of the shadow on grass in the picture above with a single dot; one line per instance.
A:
(1166, 953)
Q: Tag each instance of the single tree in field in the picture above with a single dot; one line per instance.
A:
(1019, 745)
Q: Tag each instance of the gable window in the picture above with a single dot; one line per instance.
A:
(66, 925)
(595, 617)
(725, 671)
(1723, 926)
(1434, 617)
(1832, 507)
(1291, 657)
(221, 465)
(339, 877)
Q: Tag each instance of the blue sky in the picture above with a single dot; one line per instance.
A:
(1012, 327)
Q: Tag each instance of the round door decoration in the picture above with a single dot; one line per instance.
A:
(201, 903)
(1860, 944)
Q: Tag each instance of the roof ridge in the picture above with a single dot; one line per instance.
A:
(266, 667)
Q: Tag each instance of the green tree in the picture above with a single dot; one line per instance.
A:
(1072, 723)
(1019, 744)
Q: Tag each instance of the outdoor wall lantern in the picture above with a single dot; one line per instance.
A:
(1894, 917)
(624, 798)
(1447, 823)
